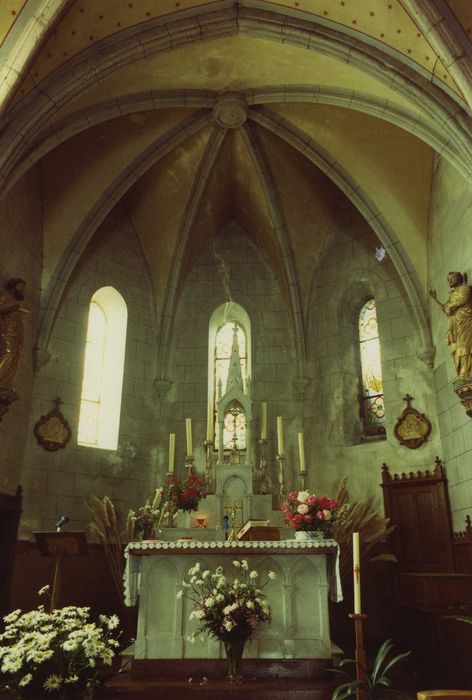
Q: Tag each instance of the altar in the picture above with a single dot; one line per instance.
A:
(307, 573)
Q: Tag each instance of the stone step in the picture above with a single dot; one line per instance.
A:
(267, 669)
(125, 687)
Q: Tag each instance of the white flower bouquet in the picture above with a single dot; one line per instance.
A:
(227, 608)
(55, 654)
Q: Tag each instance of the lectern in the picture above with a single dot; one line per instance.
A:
(57, 545)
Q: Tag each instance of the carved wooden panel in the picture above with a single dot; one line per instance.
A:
(462, 548)
(418, 504)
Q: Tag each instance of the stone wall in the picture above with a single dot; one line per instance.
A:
(57, 483)
(450, 249)
(347, 275)
(20, 233)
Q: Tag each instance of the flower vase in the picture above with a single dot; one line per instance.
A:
(309, 535)
(146, 533)
(234, 649)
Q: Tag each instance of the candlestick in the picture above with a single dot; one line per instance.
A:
(264, 421)
(171, 452)
(190, 464)
(209, 486)
(280, 435)
(356, 560)
(210, 424)
(361, 674)
(282, 487)
(301, 450)
(188, 434)
(264, 485)
(302, 478)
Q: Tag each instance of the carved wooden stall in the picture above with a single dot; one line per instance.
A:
(434, 573)
(10, 511)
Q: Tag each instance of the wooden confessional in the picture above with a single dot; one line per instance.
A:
(10, 511)
(434, 573)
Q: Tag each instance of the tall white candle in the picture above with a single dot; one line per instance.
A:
(264, 421)
(210, 423)
(188, 434)
(171, 452)
(280, 435)
(356, 563)
(301, 450)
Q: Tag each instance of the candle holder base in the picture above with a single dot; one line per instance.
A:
(209, 476)
(190, 463)
(282, 487)
(358, 619)
(264, 483)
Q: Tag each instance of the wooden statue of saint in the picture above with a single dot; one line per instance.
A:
(458, 307)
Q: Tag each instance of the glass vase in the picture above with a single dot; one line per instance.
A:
(234, 649)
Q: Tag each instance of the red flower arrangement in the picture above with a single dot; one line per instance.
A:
(305, 511)
(186, 494)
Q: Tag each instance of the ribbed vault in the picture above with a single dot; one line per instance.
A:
(252, 114)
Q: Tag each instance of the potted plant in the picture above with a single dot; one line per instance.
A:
(309, 515)
(228, 609)
(373, 685)
(55, 654)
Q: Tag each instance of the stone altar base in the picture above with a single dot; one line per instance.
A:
(264, 679)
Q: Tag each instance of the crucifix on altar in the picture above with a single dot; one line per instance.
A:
(233, 510)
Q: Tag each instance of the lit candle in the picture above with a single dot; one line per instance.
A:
(280, 435)
(188, 434)
(210, 423)
(356, 560)
(171, 452)
(301, 450)
(264, 421)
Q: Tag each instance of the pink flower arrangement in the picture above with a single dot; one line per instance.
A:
(305, 511)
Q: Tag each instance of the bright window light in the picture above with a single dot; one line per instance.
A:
(102, 383)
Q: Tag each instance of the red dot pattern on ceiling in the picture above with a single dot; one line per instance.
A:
(385, 21)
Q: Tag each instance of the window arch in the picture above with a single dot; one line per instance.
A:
(226, 320)
(102, 382)
(373, 404)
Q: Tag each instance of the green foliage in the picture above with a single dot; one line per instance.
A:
(375, 685)
(459, 618)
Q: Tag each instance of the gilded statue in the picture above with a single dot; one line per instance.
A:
(12, 310)
(459, 333)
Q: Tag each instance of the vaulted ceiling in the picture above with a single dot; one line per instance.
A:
(267, 113)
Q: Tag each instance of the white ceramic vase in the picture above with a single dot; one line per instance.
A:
(311, 535)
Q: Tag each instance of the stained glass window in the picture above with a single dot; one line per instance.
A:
(100, 401)
(235, 420)
(373, 405)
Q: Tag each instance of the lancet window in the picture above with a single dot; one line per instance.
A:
(229, 371)
(373, 405)
(234, 427)
(100, 402)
